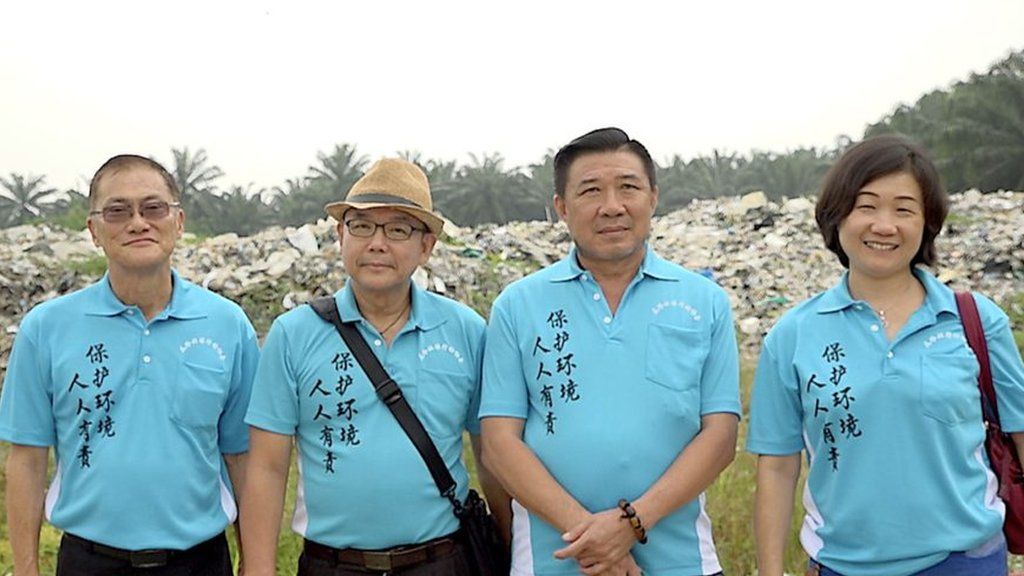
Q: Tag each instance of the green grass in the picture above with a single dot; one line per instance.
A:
(730, 502)
(90, 266)
(958, 219)
(72, 219)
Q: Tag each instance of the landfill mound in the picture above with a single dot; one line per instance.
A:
(767, 255)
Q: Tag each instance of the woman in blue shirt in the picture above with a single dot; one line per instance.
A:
(874, 379)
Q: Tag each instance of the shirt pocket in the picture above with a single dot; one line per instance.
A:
(675, 356)
(949, 388)
(442, 401)
(199, 396)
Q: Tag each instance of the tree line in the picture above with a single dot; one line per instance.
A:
(974, 129)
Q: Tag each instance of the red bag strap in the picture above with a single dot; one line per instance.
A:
(975, 334)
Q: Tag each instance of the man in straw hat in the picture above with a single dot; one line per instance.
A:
(366, 503)
(140, 383)
(611, 385)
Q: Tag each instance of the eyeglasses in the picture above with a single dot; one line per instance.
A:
(149, 210)
(397, 231)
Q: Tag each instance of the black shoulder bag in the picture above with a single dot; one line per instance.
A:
(485, 550)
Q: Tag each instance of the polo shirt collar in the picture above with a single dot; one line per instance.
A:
(837, 297)
(103, 301)
(181, 305)
(567, 268)
(652, 265)
(424, 314)
(938, 298)
(657, 267)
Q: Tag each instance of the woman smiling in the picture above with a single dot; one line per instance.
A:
(876, 382)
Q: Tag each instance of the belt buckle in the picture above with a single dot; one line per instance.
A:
(380, 561)
(148, 558)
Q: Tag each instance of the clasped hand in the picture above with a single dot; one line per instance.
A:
(600, 544)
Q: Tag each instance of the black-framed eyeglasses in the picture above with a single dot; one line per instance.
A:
(399, 231)
(149, 210)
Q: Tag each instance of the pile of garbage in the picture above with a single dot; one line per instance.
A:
(767, 255)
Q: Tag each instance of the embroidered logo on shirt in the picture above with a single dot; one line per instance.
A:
(441, 347)
(948, 335)
(203, 341)
(693, 312)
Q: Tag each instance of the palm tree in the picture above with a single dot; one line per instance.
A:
(195, 179)
(674, 188)
(338, 171)
(974, 130)
(795, 173)
(296, 202)
(928, 122)
(69, 211)
(681, 181)
(541, 183)
(302, 200)
(23, 198)
(240, 210)
(442, 175)
(414, 156)
(485, 192)
(715, 175)
(988, 125)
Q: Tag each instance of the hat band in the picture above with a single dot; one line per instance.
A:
(383, 199)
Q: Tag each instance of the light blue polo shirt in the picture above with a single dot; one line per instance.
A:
(893, 431)
(139, 412)
(362, 484)
(610, 401)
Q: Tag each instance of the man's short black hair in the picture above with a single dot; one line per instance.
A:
(128, 161)
(600, 140)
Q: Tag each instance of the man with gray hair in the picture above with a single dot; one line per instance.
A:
(140, 382)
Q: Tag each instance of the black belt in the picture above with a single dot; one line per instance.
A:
(151, 558)
(386, 559)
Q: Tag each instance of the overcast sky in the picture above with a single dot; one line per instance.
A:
(264, 85)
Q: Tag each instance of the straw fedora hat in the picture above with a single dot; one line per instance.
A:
(391, 183)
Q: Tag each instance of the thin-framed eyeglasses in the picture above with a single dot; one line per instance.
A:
(151, 210)
(398, 231)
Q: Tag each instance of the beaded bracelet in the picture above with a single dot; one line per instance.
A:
(629, 513)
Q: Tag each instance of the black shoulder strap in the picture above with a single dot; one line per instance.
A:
(974, 331)
(391, 394)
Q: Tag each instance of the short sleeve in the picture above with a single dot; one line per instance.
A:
(504, 390)
(26, 404)
(233, 432)
(274, 405)
(476, 339)
(776, 414)
(720, 378)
